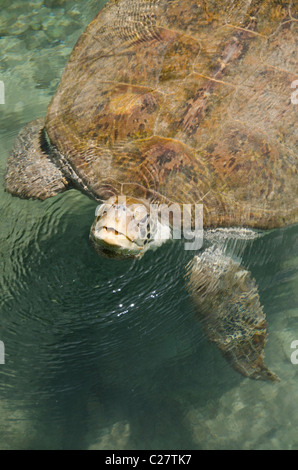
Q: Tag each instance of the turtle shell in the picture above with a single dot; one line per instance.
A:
(185, 101)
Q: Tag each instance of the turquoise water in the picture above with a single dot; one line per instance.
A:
(107, 354)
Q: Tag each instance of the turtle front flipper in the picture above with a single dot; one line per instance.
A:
(228, 303)
(30, 171)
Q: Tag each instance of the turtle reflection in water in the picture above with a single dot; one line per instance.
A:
(186, 102)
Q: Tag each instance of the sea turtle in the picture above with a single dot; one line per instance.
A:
(185, 102)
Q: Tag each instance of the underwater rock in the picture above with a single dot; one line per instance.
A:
(16, 428)
(254, 415)
(115, 437)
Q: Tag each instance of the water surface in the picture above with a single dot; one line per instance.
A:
(108, 354)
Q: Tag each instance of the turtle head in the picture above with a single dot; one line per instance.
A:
(121, 228)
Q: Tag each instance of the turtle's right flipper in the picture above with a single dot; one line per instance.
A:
(30, 171)
(228, 304)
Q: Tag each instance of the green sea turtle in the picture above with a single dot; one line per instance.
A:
(185, 102)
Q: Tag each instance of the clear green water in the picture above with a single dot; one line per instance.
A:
(105, 354)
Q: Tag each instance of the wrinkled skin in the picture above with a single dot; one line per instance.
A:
(126, 227)
(121, 228)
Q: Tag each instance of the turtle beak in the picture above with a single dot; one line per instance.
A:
(109, 234)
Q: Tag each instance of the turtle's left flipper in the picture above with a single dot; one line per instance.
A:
(31, 172)
(228, 303)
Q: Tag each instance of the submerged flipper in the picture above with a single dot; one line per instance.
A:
(229, 306)
(30, 172)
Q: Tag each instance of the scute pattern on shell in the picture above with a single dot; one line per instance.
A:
(186, 101)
